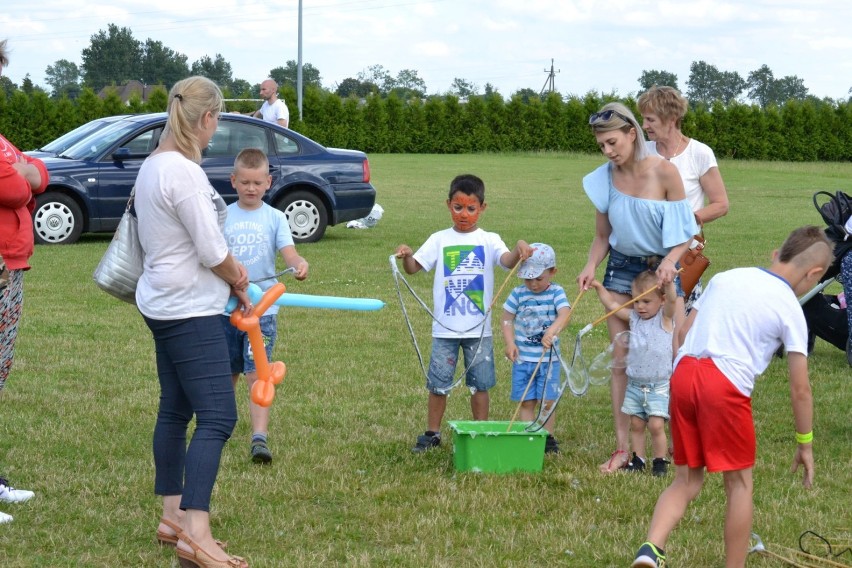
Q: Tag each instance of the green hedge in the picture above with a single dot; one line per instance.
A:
(812, 130)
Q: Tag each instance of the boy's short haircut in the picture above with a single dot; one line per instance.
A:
(799, 241)
(469, 185)
(645, 280)
(251, 159)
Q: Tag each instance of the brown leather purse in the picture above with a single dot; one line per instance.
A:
(694, 263)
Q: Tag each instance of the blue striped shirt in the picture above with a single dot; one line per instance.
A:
(534, 313)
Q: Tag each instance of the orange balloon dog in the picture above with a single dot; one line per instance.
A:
(268, 375)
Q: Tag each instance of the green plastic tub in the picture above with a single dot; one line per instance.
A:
(484, 446)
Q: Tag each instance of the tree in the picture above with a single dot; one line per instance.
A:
(288, 75)
(27, 85)
(761, 86)
(408, 83)
(112, 58)
(526, 95)
(217, 70)
(731, 85)
(240, 88)
(64, 78)
(353, 87)
(7, 86)
(463, 88)
(790, 88)
(162, 65)
(659, 78)
(703, 79)
(707, 84)
(379, 76)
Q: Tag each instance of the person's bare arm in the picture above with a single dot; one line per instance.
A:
(801, 400)
(717, 196)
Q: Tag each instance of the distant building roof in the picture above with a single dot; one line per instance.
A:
(125, 91)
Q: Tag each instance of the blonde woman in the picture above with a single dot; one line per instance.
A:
(642, 221)
(188, 276)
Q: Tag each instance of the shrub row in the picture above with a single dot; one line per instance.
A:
(810, 130)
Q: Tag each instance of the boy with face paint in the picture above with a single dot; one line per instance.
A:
(464, 257)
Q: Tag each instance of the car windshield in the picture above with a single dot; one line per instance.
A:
(70, 138)
(96, 142)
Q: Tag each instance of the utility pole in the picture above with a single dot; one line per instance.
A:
(299, 66)
(550, 83)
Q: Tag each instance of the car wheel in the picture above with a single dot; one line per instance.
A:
(57, 219)
(306, 214)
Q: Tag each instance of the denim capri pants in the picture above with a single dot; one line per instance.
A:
(445, 354)
(622, 269)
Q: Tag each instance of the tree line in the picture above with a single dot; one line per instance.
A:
(114, 57)
(808, 130)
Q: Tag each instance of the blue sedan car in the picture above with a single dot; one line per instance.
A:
(90, 182)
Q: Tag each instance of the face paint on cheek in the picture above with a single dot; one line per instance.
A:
(465, 217)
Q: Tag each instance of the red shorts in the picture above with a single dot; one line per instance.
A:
(711, 421)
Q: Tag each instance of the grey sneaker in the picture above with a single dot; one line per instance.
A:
(4, 518)
(425, 442)
(260, 453)
(12, 495)
(636, 465)
(649, 556)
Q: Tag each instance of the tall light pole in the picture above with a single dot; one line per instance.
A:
(299, 66)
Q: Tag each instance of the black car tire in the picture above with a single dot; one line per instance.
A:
(57, 219)
(306, 214)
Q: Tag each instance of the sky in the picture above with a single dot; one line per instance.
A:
(594, 45)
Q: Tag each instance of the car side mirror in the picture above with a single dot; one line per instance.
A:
(124, 153)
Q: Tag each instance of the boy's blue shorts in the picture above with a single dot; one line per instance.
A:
(545, 386)
(239, 348)
(621, 270)
(445, 355)
(646, 399)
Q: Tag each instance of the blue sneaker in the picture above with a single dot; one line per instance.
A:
(649, 556)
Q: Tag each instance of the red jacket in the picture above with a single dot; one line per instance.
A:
(17, 201)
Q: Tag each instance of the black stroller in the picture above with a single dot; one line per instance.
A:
(826, 317)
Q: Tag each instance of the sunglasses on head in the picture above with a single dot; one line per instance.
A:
(606, 115)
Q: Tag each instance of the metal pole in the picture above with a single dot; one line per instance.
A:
(299, 67)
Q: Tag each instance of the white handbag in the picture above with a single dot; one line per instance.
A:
(119, 270)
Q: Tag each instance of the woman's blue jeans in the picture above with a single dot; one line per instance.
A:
(195, 378)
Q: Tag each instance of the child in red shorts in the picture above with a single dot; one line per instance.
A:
(728, 339)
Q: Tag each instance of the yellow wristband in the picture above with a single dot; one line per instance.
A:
(805, 438)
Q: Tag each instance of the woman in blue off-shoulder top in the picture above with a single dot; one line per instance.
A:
(642, 221)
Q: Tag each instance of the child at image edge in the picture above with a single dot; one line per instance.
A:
(533, 316)
(464, 257)
(255, 231)
(732, 332)
(649, 365)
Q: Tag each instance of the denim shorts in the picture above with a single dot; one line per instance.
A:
(545, 386)
(239, 348)
(646, 399)
(445, 355)
(622, 269)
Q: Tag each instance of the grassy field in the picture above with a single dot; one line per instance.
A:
(345, 489)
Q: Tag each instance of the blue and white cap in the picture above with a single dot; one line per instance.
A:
(542, 258)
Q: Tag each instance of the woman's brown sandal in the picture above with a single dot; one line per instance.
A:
(168, 539)
(198, 558)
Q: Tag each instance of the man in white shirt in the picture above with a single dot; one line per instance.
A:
(273, 109)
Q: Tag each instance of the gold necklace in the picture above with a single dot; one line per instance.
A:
(679, 142)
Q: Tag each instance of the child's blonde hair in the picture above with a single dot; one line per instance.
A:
(251, 159)
(645, 280)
